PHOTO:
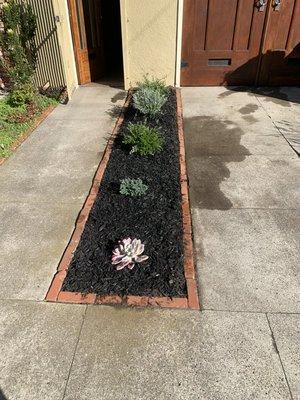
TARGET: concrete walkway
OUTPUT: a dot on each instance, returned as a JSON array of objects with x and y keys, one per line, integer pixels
[{"x": 243, "y": 180}]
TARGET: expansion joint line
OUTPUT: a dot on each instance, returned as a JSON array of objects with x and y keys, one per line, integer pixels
[
  {"x": 274, "y": 123},
  {"x": 278, "y": 353},
  {"x": 74, "y": 353}
]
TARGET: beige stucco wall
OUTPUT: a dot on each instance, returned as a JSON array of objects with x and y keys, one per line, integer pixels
[
  {"x": 149, "y": 34},
  {"x": 66, "y": 45}
]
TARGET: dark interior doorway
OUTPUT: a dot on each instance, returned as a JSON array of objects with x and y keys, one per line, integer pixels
[
  {"x": 112, "y": 36},
  {"x": 97, "y": 36}
]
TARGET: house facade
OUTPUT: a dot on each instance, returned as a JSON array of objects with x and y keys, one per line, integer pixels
[{"x": 185, "y": 42}]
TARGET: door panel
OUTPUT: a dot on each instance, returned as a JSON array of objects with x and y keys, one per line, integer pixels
[
  {"x": 281, "y": 48},
  {"x": 87, "y": 31},
  {"x": 94, "y": 33},
  {"x": 79, "y": 41},
  {"x": 220, "y": 24},
  {"x": 221, "y": 42}
]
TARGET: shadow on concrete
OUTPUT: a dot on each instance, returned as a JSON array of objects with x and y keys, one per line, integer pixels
[
  {"x": 114, "y": 111},
  {"x": 275, "y": 95},
  {"x": 276, "y": 69},
  {"x": 2, "y": 397},
  {"x": 119, "y": 96},
  {"x": 211, "y": 144}
]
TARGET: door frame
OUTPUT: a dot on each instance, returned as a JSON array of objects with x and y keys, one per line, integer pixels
[
  {"x": 179, "y": 32},
  {"x": 81, "y": 54}
]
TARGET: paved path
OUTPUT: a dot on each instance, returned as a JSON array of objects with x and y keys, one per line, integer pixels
[{"x": 244, "y": 178}]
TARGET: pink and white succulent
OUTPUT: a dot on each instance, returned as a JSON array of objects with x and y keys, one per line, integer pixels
[{"x": 127, "y": 253}]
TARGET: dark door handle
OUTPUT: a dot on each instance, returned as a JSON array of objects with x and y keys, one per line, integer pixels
[
  {"x": 261, "y": 4},
  {"x": 276, "y": 5}
]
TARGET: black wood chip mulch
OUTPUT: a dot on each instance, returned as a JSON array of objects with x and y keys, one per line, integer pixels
[{"x": 154, "y": 218}]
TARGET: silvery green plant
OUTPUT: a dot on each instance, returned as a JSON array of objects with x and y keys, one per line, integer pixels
[
  {"x": 128, "y": 253},
  {"x": 149, "y": 101},
  {"x": 133, "y": 187},
  {"x": 154, "y": 83}
]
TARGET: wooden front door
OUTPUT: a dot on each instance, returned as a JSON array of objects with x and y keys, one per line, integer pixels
[
  {"x": 94, "y": 36},
  {"x": 86, "y": 24},
  {"x": 220, "y": 37},
  {"x": 240, "y": 42},
  {"x": 280, "y": 64},
  {"x": 79, "y": 41}
]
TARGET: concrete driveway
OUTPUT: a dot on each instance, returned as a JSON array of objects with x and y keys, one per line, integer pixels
[{"x": 244, "y": 185}]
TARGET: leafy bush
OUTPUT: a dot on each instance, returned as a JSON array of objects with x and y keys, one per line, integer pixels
[
  {"x": 23, "y": 95},
  {"x": 15, "y": 121},
  {"x": 154, "y": 83},
  {"x": 149, "y": 101},
  {"x": 18, "y": 51},
  {"x": 133, "y": 187},
  {"x": 143, "y": 140}
]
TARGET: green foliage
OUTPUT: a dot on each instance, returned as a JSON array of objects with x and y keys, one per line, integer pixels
[
  {"x": 23, "y": 95},
  {"x": 143, "y": 140},
  {"x": 18, "y": 58},
  {"x": 154, "y": 83},
  {"x": 149, "y": 101},
  {"x": 15, "y": 121},
  {"x": 133, "y": 187}
]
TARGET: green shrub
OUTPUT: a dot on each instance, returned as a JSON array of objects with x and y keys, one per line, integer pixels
[
  {"x": 18, "y": 50},
  {"x": 154, "y": 83},
  {"x": 149, "y": 101},
  {"x": 133, "y": 187},
  {"x": 25, "y": 95},
  {"x": 143, "y": 140}
]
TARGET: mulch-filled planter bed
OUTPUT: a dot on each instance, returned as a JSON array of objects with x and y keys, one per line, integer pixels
[{"x": 160, "y": 219}]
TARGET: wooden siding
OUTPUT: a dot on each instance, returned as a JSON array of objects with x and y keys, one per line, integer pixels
[{"x": 49, "y": 60}]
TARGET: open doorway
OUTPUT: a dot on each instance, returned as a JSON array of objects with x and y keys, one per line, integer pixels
[{"x": 97, "y": 37}]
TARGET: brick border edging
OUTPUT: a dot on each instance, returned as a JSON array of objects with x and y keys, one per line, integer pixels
[
  {"x": 189, "y": 263},
  {"x": 55, "y": 294},
  {"x": 44, "y": 114}
]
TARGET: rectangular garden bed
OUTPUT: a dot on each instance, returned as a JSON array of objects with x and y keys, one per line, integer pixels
[{"x": 160, "y": 219}]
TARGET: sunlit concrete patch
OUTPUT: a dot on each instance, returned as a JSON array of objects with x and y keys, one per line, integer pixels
[
  {"x": 37, "y": 343},
  {"x": 48, "y": 175},
  {"x": 213, "y": 135},
  {"x": 291, "y": 132},
  {"x": 95, "y": 98},
  {"x": 32, "y": 240},
  {"x": 232, "y": 162},
  {"x": 248, "y": 259},
  {"x": 166, "y": 355},
  {"x": 283, "y": 107},
  {"x": 222, "y": 182},
  {"x": 286, "y": 331}
]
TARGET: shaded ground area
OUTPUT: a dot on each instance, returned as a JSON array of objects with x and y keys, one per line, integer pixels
[
  {"x": 211, "y": 136},
  {"x": 245, "y": 204}
]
